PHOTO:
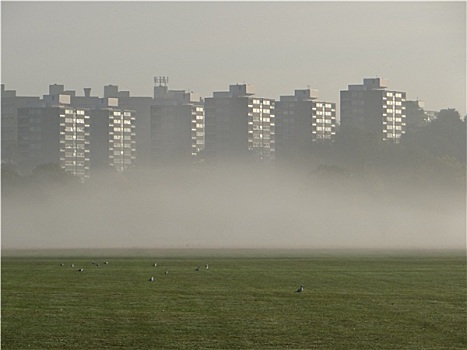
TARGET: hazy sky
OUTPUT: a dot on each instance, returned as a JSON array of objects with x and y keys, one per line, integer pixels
[{"x": 420, "y": 47}]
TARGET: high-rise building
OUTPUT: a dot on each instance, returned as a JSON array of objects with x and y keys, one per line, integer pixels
[
  {"x": 141, "y": 105},
  {"x": 112, "y": 136},
  {"x": 177, "y": 124},
  {"x": 54, "y": 133},
  {"x": 370, "y": 106},
  {"x": 302, "y": 119},
  {"x": 239, "y": 125},
  {"x": 9, "y": 122},
  {"x": 80, "y": 133}
]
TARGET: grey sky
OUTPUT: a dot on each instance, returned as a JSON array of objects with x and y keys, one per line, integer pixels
[{"x": 205, "y": 46}]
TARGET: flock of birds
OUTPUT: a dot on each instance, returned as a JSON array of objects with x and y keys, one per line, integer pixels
[{"x": 151, "y": 279}]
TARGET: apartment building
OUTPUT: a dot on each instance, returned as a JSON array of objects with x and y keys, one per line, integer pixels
[
  {"x": 370, "y": 106},
  {"x": 239, "y": 125},
  {"x": 177, "y": 125},
  {"x": 112, "y": 136},
  {"x": 302, "y": 119},
  {"x": 141, "y": 105},
  {"x": 9, "y": 122},
  {"x": 55, "y": 132}
]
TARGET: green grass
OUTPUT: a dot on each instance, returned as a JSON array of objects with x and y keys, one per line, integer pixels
[{"x": 359, "y": 301}]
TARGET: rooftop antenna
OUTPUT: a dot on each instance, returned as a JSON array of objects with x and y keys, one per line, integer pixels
[{"x": 161, "y": 81}]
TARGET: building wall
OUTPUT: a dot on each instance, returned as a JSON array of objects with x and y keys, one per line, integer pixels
[
  {"x": 171, "y": 133},
  {"x": 58, "y": 134},
  {"x": 371, "y": 107},
  {"x": 239, "y": 126},
  {"x": 112, "y": 139},
  {"x": 9, "y": 122},
  {"x": 177, "y": 125},
  {"x": 301, "y": 119},
  {"x": 9, "y": 130},
  {"x": 122, "y": 140},
  {"x": 198, "y": 133},
  {"x": 262, "y": 128},
  {"x": 74, "y": 141},
  {"x": 141, "y": 106},
  {"x": 323, "y": 121}
]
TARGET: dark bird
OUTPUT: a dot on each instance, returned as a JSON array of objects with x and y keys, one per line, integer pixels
[{"x": 299, "y": 290}]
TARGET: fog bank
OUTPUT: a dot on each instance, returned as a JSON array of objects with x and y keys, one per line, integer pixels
[{"x": 230, "y": 207}]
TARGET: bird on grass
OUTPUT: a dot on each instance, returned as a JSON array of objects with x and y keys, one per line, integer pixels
[
  {"x": 197, "y": 269},
  {"x": 151, "y": 279},
  {"x": 299, "y": 290},
  {"x": 80, "y": 270},
  {"x": 206, "y": 266},
  {"x": 166, "y": 272},
  {"x": 155, "y": 264}
]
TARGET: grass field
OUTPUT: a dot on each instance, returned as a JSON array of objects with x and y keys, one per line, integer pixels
[{"x": 243, "y": 301}]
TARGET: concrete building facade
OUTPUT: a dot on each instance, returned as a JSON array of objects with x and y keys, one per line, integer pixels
[
  {"x": 141, "y": 105},
  {"x": 177, "y": 125},
  {"x": 302, "y": 119},
  {"x": 370, "y": 106},
  {"x": 112, "y": 136},
  {"x": 9, "y": 122},
  {"x": 54, "y": 133},
  {"x": 239, "y": 125}
]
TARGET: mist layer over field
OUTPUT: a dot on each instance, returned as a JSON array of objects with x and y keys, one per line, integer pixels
[{"x": 231, "y": 207}]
